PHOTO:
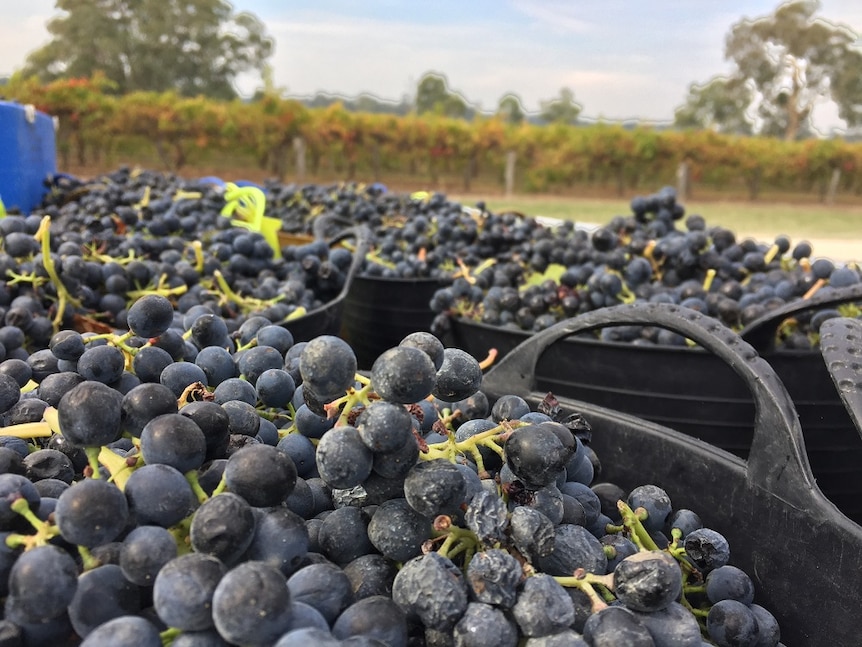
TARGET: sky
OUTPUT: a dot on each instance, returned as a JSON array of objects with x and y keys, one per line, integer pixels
[{"x": 630, "y": 59}]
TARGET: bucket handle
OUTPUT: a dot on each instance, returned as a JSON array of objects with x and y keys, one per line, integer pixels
[
  {"x": 777, "y": 461},
  {"x": 363, "y": 235},
  {"x": 841, "y": 349},
  {"x": 760, "y": 333}
]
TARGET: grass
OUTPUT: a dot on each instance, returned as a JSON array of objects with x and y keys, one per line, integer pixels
[{"x": 744, "y": 218}]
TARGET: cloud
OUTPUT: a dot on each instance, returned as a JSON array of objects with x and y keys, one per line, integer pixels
[{"x": 559, "y": 16}]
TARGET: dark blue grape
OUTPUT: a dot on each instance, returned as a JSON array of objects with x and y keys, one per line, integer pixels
[
  {"x": 103, "y": 364},
  {"x": 42, "y": 583},
  {"x": 403, "y": 375},
  {"x": 261, "y": 474},
  {"x": 342, "y": 458},
  {"x": 183, "y": 591},
  {"x": 217, "y": 364},
  {"x": 150, "y": 316},
  {"x": 124, "y": 631},
  {"x": 275, "y": 388},
  {"x": 223, "y": 526},
  {"x": 143, "y": 403},
  {"x": 90, "y": 414},
  {"x": 328, "y": 366},
  {"x": 149, "y": 362},
  {"x": 493, "y": 576},
  {"x": 323, "y": 586},
  {"x": 729, "y": 583},
  {"x": 433, "y": 589},
  {"x": 707, "y": 548},
  {"x": 103, "y": 594},
  {"x": 175, "y": 440},
  {"x": 655, "y": 501},
  {"x": 732, "y": 624},
  {"x": 158, "y": 494},
  {"x": 145, "y": 550},
  {"x": 180, "y": 375},
  {"x": 92, "y": 512},
  {"x": 543, "y": 607},
  {"x": 375, "y": 617},
  {"x": 251, "y": 605}
]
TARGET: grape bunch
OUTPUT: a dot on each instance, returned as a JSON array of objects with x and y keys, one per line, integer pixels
[
  {"x": 176, "y": 483},
  {"x": 647, "y": 257}
]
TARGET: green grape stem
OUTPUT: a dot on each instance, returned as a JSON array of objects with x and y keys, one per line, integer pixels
[
  {"x": 43, "y": 235},
  {"x": 45, "y": 530},
  {"x": 588, "y": 582},
  {"x": 634, "y": 525}
]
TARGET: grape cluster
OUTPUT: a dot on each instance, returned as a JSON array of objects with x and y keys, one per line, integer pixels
[
  {"x": 79, "y": 260},
  {"x": 647, "y": 257},
  {"x": 190, "y": 485}
]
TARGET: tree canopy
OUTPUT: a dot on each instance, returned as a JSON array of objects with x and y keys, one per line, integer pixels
[
  {"x": 433, "y": 95},
  {"x": 720, "y": 104},
  {"x": 562, "y": 109},
  {"x": 785, "y": 64},
  {"x": 511, "y": 109},
  {"x": 189, "y": 46}
]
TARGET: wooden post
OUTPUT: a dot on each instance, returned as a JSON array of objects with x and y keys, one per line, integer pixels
[
  {"x": 509, "y": 175},
  {"x": 833, "y": 186},
  {"x": 683, "y": 184},
  {"x": 299, "y": 148}
]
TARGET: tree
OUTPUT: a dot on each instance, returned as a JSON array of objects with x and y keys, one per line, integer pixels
[
  {"x": 188, "y": 46},
  {"x": 720, "y": 104},
  {"x": 561, "y": 109},
  {"x": 433, "y": 95},
  {"x": 791, "y": 57},
  {"x": 511, "y": 109}
]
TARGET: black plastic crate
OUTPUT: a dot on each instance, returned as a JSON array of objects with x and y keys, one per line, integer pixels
[{"x": 804, "y": 555}]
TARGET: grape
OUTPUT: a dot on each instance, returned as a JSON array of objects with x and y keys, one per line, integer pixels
[
  {"x": 217, "y": 364},
  {"x": 10, "y": 392},
  {"x": 150, "y": 316},
  {"x": 729, "y": 583},
  {"x": 707, "y": 549},
  {"x": 158, "y": 494},
  {"x": 183, "y": 590},
  {"x": 103, "y": 593},
  {"x": 616, "y": 626},
  {"x": 532, "y": 533},
  {"x": 48, "y": 464},
  {"x": 275, "y": 388},
  {"x": 92, "y": 512},
  {"x": 403, "y": 374},
  {"x": 384, "y": 426},
  {"x": 342, "y": 458},
  {"x": 261, "y": 474},
  {"x": 648, "y": 581},
  {"x": 308, "y": 636},
  {"x": 280, "y": 539},
  {"x": 149, "y": 362},
  {"x": 732, "y": 624},
  {"x": 175, "y": 440},
  {"x": 371, "y": 574},
  {"x": 435, "y": 487},
  {"x": 397, "y": 530},
  {"x": 145, "y": 550},
  {"x": 543, "y": 607},
  {"x": 255, "y": 361},
  {"x": 41, "y": 583},
  {"x": 250, "y": 605},
  {"x": 432, "y": 588},
  {"x": 459, "y": 377},
  {"x": 328, "y": 366},
  {"x": 143, "y": 403},
  {"x": 671, "y": 626},
  {"x": 655, "y": 501},
  {"x": 375, "y": 617},
  {"x": 323, "y": 586},
  {"x": 180, "y": 375},
  {"x": 301, "y": 451},
  {"x": 102, "y": 364},
  {"x": 90, "y": 414},
  {"x": 344, "y": 535},
  {"x": 536, "y": 455},
  {"x": 124, "y": 631},
  {"x": 574, "y": 547},
  {"x": 494, "y": 576},
  {"x": 484, "y": 626},
  {"x": 223, "y": 527}
]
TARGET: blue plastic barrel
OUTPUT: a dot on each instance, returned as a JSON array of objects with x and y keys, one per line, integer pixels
[{"x": 28, "y": 155}]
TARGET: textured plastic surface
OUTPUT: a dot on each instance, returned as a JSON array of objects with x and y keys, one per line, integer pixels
[
  {"x": 327, "y": 319},
  {"x": 841, "y": 347},
  {"x": 27, "y": 156},
  {"x": 690, "y": 390},
  {"x": 804, "y": 555},
  {"x": 380, "y": 312}
]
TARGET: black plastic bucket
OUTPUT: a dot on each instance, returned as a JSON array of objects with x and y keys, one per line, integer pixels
[
  {"x": 380, "y": 312},
  {"x": 692, "y": 391},
  {"x": 327, "y": 319},
  {"x": 802, "y": 552}
]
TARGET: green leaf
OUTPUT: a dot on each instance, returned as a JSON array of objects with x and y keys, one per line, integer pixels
[{"x": 554, "y": 271}]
